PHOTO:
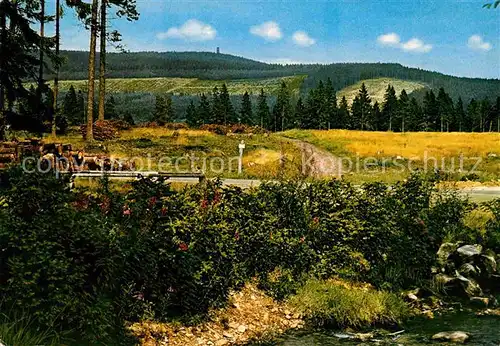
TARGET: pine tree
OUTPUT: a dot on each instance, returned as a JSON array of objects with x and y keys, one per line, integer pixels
[
  {"x": 70, "y": 107},
  {"x": 81, "y": 108},
  {"x": 377, "y": 115},
  {"x": 204, "y": 111},
  {"x": 473, "y": 116},
  {"x": 228, "y": 113},
  {"x": 163, "y": 112},
  {"x": 312, "y": 120},
  {"x": 460, "y": 116},
  {"x": 403, "y": 112},
  {"x": 246, "y": 113},
  {"x": 282, "y": 109},
  {"x": 343, "y": 114},
  {"x": 263, "y": 114},
  {"x": 389, "y": 109},
  {"x": 91, "y": 70},
  {"x": 445, "y": 110},
  {"x": 331, "y": 105},
  {"x": 300, "y": 115},
  {"x": 218, "y": 116},
  {"x": 416, "y": 122},
  {"x": 484, "y": 110},
  {"x": 362, "y": 111},
  {"x": 431, "y": 112},
  {"x": 110, "y": 108},
  {"x": 192, "y": 115}
]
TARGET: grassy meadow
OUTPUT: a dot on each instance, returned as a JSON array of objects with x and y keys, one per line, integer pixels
[
  {"x": 262, "y": 156},
  {"x": 188, "y": 86},
  {"x": 388, "y": 155},
  {"x": 377, "y": 87}
]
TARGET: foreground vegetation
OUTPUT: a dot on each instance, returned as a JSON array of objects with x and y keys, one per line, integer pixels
[{"x": 90, "y": 260}]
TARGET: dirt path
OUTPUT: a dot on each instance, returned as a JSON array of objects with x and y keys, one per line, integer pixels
[{"x": 318, "y": 162}]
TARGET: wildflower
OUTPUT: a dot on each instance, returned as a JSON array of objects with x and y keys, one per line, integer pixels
[
  {"x": 152, "y": 201},
  {"x": 126, "y": 210},
  {"x": 183, "y": 246},
  {"x": 164, "y": 211},
  {"x": 315, "y": 220},
  {"x": 237, "y": 235},
  {"x": 204, "y": 204},
  {"x": 302, "y": 239}
]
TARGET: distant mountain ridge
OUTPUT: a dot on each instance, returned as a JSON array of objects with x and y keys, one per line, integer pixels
[{"x": 217, "y": 66}]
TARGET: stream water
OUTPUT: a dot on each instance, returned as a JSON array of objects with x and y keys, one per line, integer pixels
[{"x": 485, "y": 331}]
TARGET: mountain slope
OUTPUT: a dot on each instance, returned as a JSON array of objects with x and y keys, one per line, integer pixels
[
  {"x": 377, "y": 87},
  {"x": 205, "y": 65}
]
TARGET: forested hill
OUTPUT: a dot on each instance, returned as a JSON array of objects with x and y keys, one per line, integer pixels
[{"x": 206, "y": 65}]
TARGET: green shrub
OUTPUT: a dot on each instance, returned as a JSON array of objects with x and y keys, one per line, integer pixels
[
  {"x": 325, "y": 303},
  {"x": 89, "y": 260}
]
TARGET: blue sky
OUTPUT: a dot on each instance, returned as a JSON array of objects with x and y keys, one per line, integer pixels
[{"x": 450, "y": 36}]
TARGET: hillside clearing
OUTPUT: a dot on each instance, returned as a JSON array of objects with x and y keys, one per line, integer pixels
[
  {"x": 189, "y": 86},
  {"x": 377, "y": 87}
]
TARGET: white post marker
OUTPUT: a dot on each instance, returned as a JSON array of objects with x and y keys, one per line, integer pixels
[{"x": 241, "y": 146}]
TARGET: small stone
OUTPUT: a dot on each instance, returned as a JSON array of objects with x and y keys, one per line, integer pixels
[
  {"x": 481, "y": 302},
  {"x": 242, "y": 329},
  {"x": 412, "y": 297},
  {"x": 233, "y": 325},
  {"x": 221, "y": 342},
  {"x": 363, "y": 336},
  {"x": 227, "y": 335},
  {"x": 457, "y": 336},
  {"x": 470, "y": 250}
]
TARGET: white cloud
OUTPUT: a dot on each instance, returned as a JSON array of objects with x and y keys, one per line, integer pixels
[
  {"x": 270, "y": 31},
  {"x": 416, "y": 45},
  {"x": 192, "y": 30},
  {"x": 476, "y": 42},
  {"x": 301, "y": 38},
  {"x": 391, "y": 39}
]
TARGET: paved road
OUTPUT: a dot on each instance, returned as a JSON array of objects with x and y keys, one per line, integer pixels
[{"x": 475, "y": 193}]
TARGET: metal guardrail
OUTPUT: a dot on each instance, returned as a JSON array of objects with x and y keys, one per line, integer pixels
[{"x": 133, "y": 174}]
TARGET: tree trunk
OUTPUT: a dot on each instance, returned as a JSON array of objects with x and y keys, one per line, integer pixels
[
  {"x": 3, "y": 24},
  {"x": 91, "y": 81},
  {"x": 42, "y": 36},
  {"x": 56, "y": 78},
  {"x": 102, "y": 62}
]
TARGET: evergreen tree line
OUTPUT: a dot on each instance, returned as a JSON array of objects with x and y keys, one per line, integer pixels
[{"x": 320, "y": 109}]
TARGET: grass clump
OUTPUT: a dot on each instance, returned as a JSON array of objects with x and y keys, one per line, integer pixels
[
  {"x": 21, "y": 329},
  {"x": 328, "y": 303}
]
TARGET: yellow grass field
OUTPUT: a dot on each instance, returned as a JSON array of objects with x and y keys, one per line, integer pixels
[{"x": 421, "y": 149}]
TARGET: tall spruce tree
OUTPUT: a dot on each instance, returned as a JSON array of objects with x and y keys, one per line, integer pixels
[
  {"x": 227, "y": 109},
  {"x": 416, "y": 122},
  {"x": 263, "y": 114},
  {"x": 343, "y": 114},
  {"x": 389, "y": 109},
  {"x": 460, "y": 116},
  {"x": 403, "y": 113},
  {"x": 300, "y": 115},
  {"x": 431, "y": 112},
  {"x": 192, "y": 118},
  {"x": 246, "y": 112},
  {"x": 362, "y": 112},
  {"x": 473, "y": 116},
  {"x": 282, "y": 109},
  {"x": 377, "y": 114},
  {"x": 445, "y": 109},
  {"x": 110, "y": 109},
  {"x": 331, "y": 105},
  {"x": 163, "y": 112},
  {"x": 218, "y": 116},
  {"x": 204, "y": 111},
  {"x": 70, "y": 107}
]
